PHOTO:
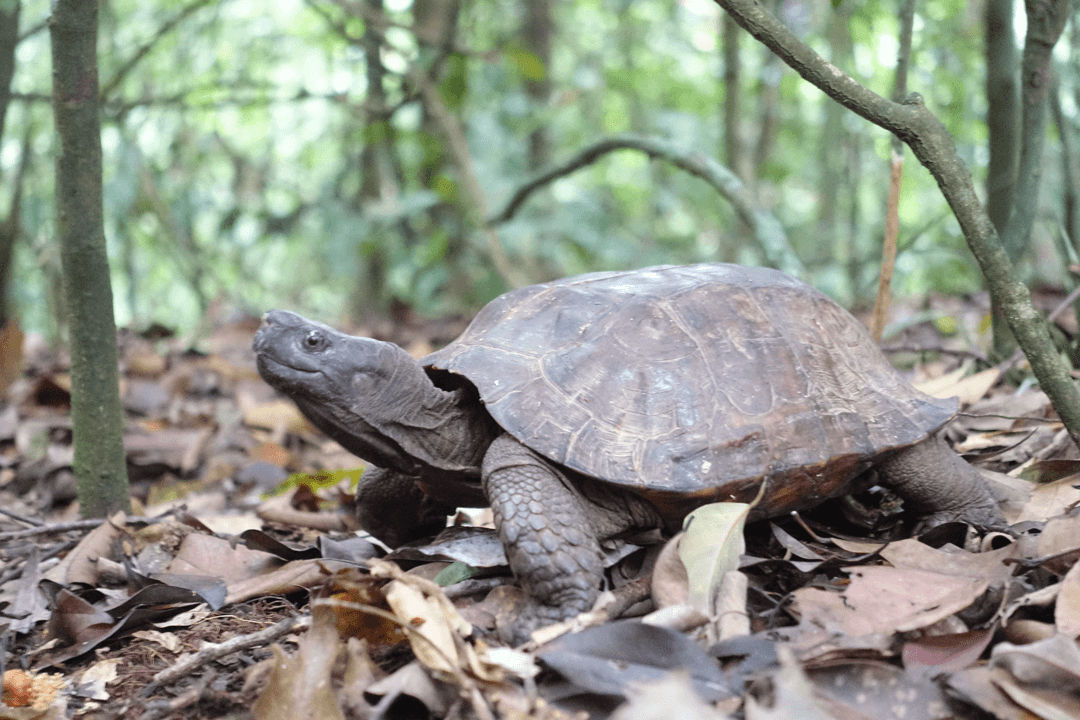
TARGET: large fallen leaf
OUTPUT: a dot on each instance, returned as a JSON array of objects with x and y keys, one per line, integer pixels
[
  {"x": 841, "y": 687},
  {"x": 299, "y": 685},
  {"x": 655, "y": 700},
  {"x": 1067, "y": 608},
  {"x": 1059, "y": 543},
  {"x": 1043, "y": 677},
  {"x": 711, "y": 546},
  {"x": 608, "y": 659},
  {"x": 887, "y": 600},
  {"x": 913, "y": 554},
  {"x": 436, "y": 648},
  {"x": 793, "y": 695},
  {"x": 1051, "y": 499},
  {"x": 952, "y": 652},
  {"x": 969, "y": 389}
]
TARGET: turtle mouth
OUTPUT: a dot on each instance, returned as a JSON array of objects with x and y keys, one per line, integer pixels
[{"x": 276, "y": 372}]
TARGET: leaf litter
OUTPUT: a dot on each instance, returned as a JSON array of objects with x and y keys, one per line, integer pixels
[{"x": 239, "y": 585}]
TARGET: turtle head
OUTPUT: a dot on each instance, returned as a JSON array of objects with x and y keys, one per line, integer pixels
[{"x": 357, "y": 390}]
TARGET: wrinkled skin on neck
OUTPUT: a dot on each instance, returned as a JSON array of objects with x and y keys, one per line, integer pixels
[{"x": 373, "y": 398}]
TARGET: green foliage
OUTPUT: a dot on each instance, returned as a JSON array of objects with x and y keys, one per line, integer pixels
[
  {"x": 321, "y": 480},
  {"x": 233, "y": 152}
]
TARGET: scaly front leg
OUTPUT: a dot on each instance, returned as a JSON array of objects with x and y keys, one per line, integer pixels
[{"x": 549, "y": 539}]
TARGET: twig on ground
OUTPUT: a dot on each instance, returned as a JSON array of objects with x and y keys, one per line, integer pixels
[
  {"x": 212, "y": 651},
  {"x": 57, "y": 528},
  {"x": 21, "y": 518}
]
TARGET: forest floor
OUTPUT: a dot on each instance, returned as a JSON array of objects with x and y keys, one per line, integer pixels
[{"x": 240, "y": 586}]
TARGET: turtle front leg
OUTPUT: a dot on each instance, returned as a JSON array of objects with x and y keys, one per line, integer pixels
[
  {"x": 394, "y": 508},
  {"x": 544, "y": 525}
]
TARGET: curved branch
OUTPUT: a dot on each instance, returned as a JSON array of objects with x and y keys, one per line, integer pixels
[
  {"x": 764, "y": 226},
  {"x": 931, "y": 143}
]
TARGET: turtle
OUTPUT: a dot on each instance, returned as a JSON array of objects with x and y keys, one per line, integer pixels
[{"x": 600, "y": 404}]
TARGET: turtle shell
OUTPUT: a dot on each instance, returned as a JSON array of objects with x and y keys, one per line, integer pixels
[{"x": 692, "y": 383}]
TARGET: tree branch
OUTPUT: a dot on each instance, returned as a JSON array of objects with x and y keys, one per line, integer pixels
[
  {"x": 146, "y": 47},
  {"x": 764, "y": 226},
  {"x": 935, "y": 149}
]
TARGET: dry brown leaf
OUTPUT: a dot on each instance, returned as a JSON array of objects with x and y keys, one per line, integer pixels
[
  {"x": 80, "y": 565},
  {"x": 1060, "y": 542},
  {"x": 299, "y": 685},
  {"x": 437, "y": 650},
  {"x": 1051, "y": 499},
  {"x": 969, "y": 389},
  {"x": 1067, "y": 607},
  {"x": 860, "y": 547},
  {"x": 656, "y": 700},
  {"x": 1043, "y": 677},
  {"x": 936, "y": 385},
  {"x": 975, "y": 685},
  {"x": 288, "y": 578},
  {"x": 202, "y": 554},
  {"x": 884, "y": 600},
  {"x": 670, "y": 585},
  {"x": 991, "y": 565}
]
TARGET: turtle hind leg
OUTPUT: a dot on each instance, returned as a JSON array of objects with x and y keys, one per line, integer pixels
[
  {"x": 545, "y": 527},
  {"x": 939, "y": 486}
]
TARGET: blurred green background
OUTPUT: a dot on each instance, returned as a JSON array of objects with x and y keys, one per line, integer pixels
[{"x": 281, "y": 154}]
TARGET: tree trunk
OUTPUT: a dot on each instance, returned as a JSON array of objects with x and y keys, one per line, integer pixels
[
  {"x": 1002, "y": 121},
  {"x": 9, "y": 38},
  {"x": 734, "y": 156},
  {"x": 539, "y": 27},
  {"x": 96, "y": 415},
  {"x": 368, "y": 298},
  {"x": 830, "y": 162},
  {"x": 1046, "y": 20}
]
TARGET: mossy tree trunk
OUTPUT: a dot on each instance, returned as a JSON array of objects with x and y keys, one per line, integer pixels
[
  {"x": 96, "y": 415},
  {"x": 1003, "y": 124},
  {"x": 9, "y": 38}
]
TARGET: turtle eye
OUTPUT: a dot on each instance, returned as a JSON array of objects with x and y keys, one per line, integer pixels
[{"x": 314, "y": 340}]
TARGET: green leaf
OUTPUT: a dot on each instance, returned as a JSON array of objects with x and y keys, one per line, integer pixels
[
  {"x": 454, "y": 573},
  {"x": 318, "y": 480},
  {"x": 711, "y": 547},
  {"x": 527, "y": 63}
]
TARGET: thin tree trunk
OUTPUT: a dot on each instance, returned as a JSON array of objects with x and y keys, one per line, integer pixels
[
  {"x": 896, "y": 175},
  {"x": 1002, "y": 121},
  {"x": 9, "y": 38},
  {"x": 830, "y": 161},
  {"x": 96, "y": 415},
  {"x": 1046, "y": 20},
  {"x": 537, "y": 33},
  {"x": 1070, "y": 169},
  {"x": 734, "y": 157},
  {"x": 368, "y": 298}
]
